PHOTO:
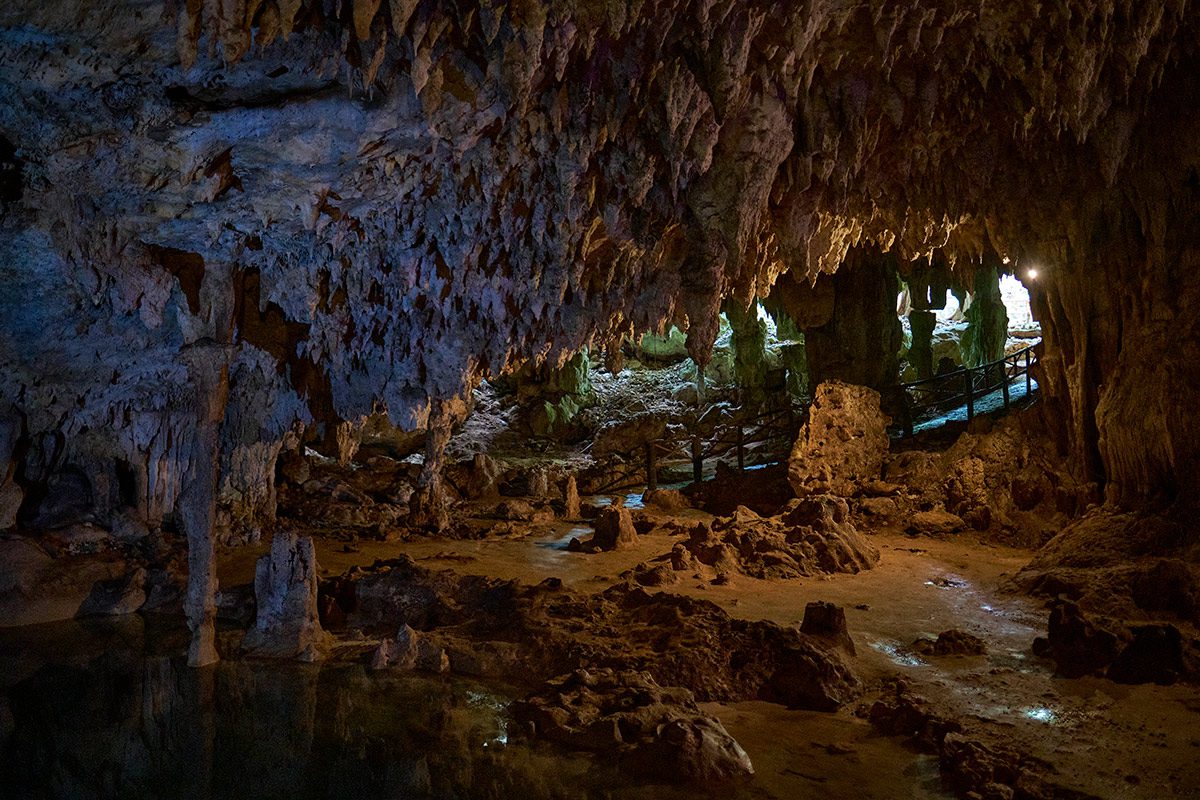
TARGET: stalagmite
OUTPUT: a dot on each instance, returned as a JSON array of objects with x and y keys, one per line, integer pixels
[
  {"x": 285, "y": 589},
  {"x": 427, "y": 507},
  {"x": 571, "y": 502}
]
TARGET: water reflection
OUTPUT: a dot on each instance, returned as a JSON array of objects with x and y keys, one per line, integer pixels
[{"x": 131, "y": 720}]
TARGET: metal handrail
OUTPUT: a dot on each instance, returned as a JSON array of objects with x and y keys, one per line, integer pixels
[{"x": 963, "y": 386}]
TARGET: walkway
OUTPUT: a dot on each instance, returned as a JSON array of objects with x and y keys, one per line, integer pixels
[{"x": 960, "y": 395}]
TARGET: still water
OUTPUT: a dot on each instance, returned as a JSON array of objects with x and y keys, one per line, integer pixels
[{"x": 110, "y": 710}]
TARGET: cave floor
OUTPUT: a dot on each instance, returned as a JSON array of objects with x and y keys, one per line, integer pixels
[{"x": 1099, "y": 737}]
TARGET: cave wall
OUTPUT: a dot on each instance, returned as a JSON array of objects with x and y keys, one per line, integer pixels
[{"x": 429, "y": 193}]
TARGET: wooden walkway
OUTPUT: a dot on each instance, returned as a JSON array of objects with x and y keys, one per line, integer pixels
[
  {"x": 936, "y": 398},
  {"x": 767, "y": 435}
]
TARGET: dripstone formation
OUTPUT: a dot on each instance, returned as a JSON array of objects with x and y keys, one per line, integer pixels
[
  {"x": 359, "y": 274},
  {"x": 397, "y": 199}
]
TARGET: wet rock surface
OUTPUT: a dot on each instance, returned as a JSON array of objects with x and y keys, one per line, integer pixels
[
  {"x": 528, "y": 633},
  {"x": 628, "y": 719},
  {"x": 812, "y": 536},
  {"x": 974, "y": 764}
]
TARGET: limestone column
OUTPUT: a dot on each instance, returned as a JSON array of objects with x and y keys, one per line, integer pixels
[
  {"x": 920, "y": 352},
  {"x": 207, "y": 360},
  {"x": 860, "y": 342},
  {"x": 987, "y": 318},
  {"x": 749, "y": 351},
  {"x": 208, "y": 372}
]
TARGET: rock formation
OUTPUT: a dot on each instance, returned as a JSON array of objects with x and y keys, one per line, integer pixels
[
  {"x": 858, "y": 340},
  {"x": 842, "y": 445},
  {"x": 571, "y": 506},
  {"x": 987, "y": 321},
  {"x": 811, "y": 536},
  {"x": 502, "y": 629},
  {"x": 614, "y": 531},
  {"x": 285, "y": 587},
  {"x": 628, "y": 718},
  {"x": 437, "y": 232}
]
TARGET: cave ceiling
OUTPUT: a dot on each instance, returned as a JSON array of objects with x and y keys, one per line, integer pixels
[{"x": 426, "y": 193}]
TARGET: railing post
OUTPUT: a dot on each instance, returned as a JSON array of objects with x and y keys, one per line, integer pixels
[
  {"x": 969, "y": 375},
  {"x": 1028, "y": 377},
  {"x": 1004, "y": 381},
  {"x": 697, "y": 460},
  {"x": 741, "y": 456},
  {"x": 651, "y": 468}
]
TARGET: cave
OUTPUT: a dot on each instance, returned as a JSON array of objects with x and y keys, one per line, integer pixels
[{"x": 731, "y": 398}]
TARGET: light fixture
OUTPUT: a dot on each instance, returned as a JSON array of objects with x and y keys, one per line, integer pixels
[{"x": 1031, "y": 274}]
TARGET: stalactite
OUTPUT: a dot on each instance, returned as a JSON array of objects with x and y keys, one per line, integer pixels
[{"x": 531, "y": 179}]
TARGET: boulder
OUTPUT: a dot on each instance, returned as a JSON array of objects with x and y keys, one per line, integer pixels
[
  {"x": 614, "y": 529},
  {"x": 1081, "y": 645},
  {"x": 1155, "y": 655},
  {"x": 878, "y": 506},
  {"x": 627, "y": 718},
  {"x": 1078, "y": 645},
  {"x": 287, "y": 624},
  {"x": 411, "y": 650},
  {"x": 649, "y": 574},
  {"x": 951, "y": 643},
  {"x": 666, "y": 499},
  {"x": 843, "y": 444},
  {"x": 123, "y": 595},
  {"x": 934, "y": 523}
]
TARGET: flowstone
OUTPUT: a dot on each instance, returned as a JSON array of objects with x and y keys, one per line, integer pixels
[{"x": 842, "y": 445}]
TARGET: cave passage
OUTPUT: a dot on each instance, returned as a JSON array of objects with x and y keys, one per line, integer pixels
[{"x": 728, "y": 398}]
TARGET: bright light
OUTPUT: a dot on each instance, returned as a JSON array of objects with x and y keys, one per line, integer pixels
[
  {"x": 1041, "y": 714},
  {"x": 1031, "y": 274}
]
